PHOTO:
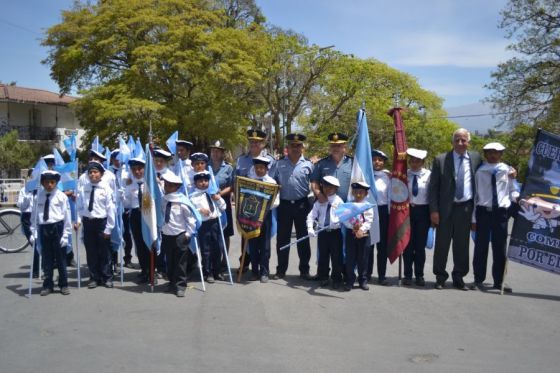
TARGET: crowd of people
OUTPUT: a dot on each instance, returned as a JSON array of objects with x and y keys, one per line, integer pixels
[{"x": 459, "y": 195}]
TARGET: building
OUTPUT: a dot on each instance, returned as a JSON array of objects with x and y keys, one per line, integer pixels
[{"x": 38, "y": 115}]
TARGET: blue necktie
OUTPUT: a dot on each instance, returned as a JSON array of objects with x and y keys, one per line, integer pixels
[
  {"x": 460, "y": 183},
  {"x": 46, "y": 208},
  {"x": 140, "y": 195},
  {"x": 210, "y": 203},
  {"x": 328, "y": 216},
  {"x": 168, "y": 212},
  {"x": 415, "y": 186},
  {"x": 90, "y": 205},
  {"x": 494, "y": 191}
]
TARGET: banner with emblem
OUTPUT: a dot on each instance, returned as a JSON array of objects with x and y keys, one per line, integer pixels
[
  {"x": 253, "y": 200},
  {"x": 535, "y": 237}
]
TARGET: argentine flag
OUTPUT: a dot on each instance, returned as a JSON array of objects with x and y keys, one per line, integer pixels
[
  {"x": 152, "y": 215},
  {"x": 362, "y": 170}
]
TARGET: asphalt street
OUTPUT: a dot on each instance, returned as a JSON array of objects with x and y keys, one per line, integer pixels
[{"x": 288, "y": 325}]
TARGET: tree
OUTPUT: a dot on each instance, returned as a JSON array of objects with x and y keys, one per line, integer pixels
[
  {"x": 15, "y": 155},
  {"x": 526, "y": 86},
  {"x": 173, "y": 64}
]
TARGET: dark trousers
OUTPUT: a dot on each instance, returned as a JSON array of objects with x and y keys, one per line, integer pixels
[
  {"x": 176, "y": 249},
  {"x": 127, "y": 237},
  {"x": 357, "y": 252},
  {"x": 50, "y": 235},
  {"x": 490, "y": 226},
  {"x": 210, "y": 246},
  {"x": 292, "y": 214},
  {"x": 455, "y": 227},
  {"x": 161, "y": 264},
  {"x": 415, "y": 252},
  {"x": 259, "y": 248},
  {"x": 381, "y": 245},
  {"x": 98, "y": 250},
  {"x": 329, "y": 243},
  {"x": 142, "y": 250}
]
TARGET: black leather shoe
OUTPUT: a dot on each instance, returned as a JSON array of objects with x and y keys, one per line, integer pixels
[
  {"x": 305, "y": 276},
  {"x": 180, "y": 293},
  {"x": 439, "y": 285},
  {"x": 64, "y": 290},
  {"x": 407, "y": 281},
  {"x": 219, "y": 277},
  {"x": 278, "y": 276},
  {"x": 477, "y": 286},
  {"x": 420, "y": 281},
  {"x": 46, "y": 291},
  {"x": 210, "y": 279},
  {"x": 254, "y": 277},
  {"x": 92, "y": 284},
  {"x": 128, "y": 265},
  {"x": 364, "y": 286},
  {"x": 324, "y": 283},
  {"x": 347, "y": 287},
  {"x": 460, "y": 285},
  {"x": 264, "y": 279},
  {"x": 383, "y": 282}
]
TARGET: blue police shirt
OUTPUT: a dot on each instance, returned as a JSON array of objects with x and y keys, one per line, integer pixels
[
  {"x": 343, "y": 172},
  {"x": 293, "y": 178},
  {"x": 223, "y": 175}
]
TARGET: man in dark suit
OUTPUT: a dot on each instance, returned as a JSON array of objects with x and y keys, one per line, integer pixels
[{"x": 451, "y": 195}]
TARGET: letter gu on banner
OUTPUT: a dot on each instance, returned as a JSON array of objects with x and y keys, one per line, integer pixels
[
  {"x": 535, "y": 238},
  {"x": 253, "y": 200}
]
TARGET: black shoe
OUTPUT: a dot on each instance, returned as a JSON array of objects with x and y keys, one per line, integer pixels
[
  {"x": 92, "y": 284},
  {"x": 72, "y": 263},
  {"x": 264, "y": 279},
  {"x": 305, "y": 276},
  {"x": 219, "y": 277},
  {"x": 347, "y": 287},
  {"x": 278, "y": 276},
  {"x": 460, "y": 285},
  {"x": 46, "y": 291},
  {"x": 383, "y": 282},
  {"x": 364, "y": 286},
  {"x": 180, "y": 293},
  {"x": 64, "y": 290},
  {"x": 254, "y": 277},
  {"x": 170, "y": 288},
  {"x": 210, "y": 279},
  {"x": 108, "y": 284},
  {"x": 335, "y": 285},
  {"x": 507, "y": 289},
  {"x": 128, "y": 265},
  {"x": 477, "y": 286},
  {"x": 324, "y": 283},
  {"x": 407, "y": 281},
  {"x": 315, "y": 278},
  {"x": 439, "y": 285},
  {"x": 420, "y": 281}
]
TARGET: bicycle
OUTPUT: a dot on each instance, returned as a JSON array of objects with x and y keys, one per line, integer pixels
[{"x": 12, "y": 238}]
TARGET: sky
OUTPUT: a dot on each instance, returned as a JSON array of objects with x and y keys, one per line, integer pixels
[{"x": 450, "y": 46}]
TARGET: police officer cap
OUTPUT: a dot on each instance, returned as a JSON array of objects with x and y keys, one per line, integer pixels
[
  {"x": 337, "y": 138},
  {"x": 261, "y": 160},
  {"x": 94, "y": 165},
  {"x": 50, "y": 175},
  {"x": 256, "y": 134},
  {"x": 360, "y": 185},
  {"x": 136, "y": 162},
  {"x": 114, "y": 153},
  {"x": 417, "y": 153},
  {"x": 185, "y": 143},
  {"x": 160, "y": 153},
  {"x": 218, "y": 145},
  {"x": 199, "y": 157},
  {"x": 170, "y": 177},
  {"x": 331, "y": 180},
  {"x": 202, "y": 175},
  {"x": 95, "y": 153},
  {"x": 49, "y": 158},
  {"x": 296, "y": 138},
  {"x": 378, "y": 153},
  {"x": 494, "y": 146}
]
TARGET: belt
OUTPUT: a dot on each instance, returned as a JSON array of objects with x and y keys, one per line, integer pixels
[
  {"x": 490, "y": 209},
  {"x": 85, "y": 218},
  {"x": 415, "y": 205},
  {"x": 462, "y": 203},
  {"x": 331, "y": 230},
  {"x": 293, "y": 201}
]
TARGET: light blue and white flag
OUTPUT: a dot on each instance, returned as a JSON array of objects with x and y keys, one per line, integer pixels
[
  {"x": 152, "y": 214},
  {"x": 362, "y": 170},
  {"x": 96, "y": 145},
  {"x": 124, "y": 152},
  {"x": 70, "y": 146},
  {"x": 34, "y": 181},
  {"x": 171, "y": 145},
  {"x": 139, "y": 150}
]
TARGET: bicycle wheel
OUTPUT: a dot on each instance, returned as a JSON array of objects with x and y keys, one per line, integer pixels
[{"x": 12, "y": 239}]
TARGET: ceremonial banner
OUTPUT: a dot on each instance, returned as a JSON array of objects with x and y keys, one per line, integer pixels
[
  {"x": 253, "y": 200},
  {"x": 535, "y": 238},
  {"x": 399, "y": 216}
]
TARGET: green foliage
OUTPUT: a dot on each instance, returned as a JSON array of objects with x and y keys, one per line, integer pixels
[{"x": 15, "y": 155}]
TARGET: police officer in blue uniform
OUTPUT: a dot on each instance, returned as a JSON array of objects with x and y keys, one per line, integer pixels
[{"x": 293, "y": 173}]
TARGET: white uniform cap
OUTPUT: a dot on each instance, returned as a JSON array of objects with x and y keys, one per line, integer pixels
[
  {"x": 360, "y": 184},
  {"x": 417, "y": 153},
  {"x": 331, "y": 180},
  {"x": 170, "y": 177},
  {"x": 494, "y": 146}
]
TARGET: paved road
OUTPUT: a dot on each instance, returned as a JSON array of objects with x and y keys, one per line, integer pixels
[{"x": 284, "y": 326}]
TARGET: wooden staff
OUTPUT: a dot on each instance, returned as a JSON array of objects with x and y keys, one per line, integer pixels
[{"x": 243, "y": 253}]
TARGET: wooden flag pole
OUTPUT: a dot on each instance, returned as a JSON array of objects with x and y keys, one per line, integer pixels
[
  {"x": 31, "y": 271},
  {"x": 152, "y": 265},
  {"x": 400, "y": 270},
  {"x": 504, "y": 277},
  {"x": 242, "y": 264}
]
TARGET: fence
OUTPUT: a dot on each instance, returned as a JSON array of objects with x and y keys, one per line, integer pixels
[{"x": 9, "y": 190}]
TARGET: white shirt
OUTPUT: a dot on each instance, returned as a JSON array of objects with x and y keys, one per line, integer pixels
[
  {"x": 505, "y": 186},
  {"x": 423, "y": 178},
  {"x": 103, "y": 204},
  {"x": 131, "y": 193},
  {"x": 319, "y": 212},
  {"x": 467, "y": 194},
  {"x": 107, "y": 178},
  {"x": 365, "y": 219},
  {"x": 59, "y": 210},
  {"x": 183, "y": 170},
  {"x": 25, "y": 201},
  {"x": 181, "y": 218},
  {"x": 121, "y": 175},
  {"x": 382, "y": 185},
  {"x": 270, "y": 180},
  {"x": 200, "y": 201}
]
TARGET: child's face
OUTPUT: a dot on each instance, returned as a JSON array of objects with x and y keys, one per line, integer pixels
[
  {"x": 138, "y": 171},
  {"x": 202, "y": 184},
  {"x": 329, "y": 190},
  {"x": 183, "y": 152},
  {"x": 493, "y": 156},
  {"x": 378, "y": 163},
  {"x": 170, "y": 187},
  {"x": 415, "y": 163},
  {"x": 199, "y": 166},
  {"x": 260, "y": 170},
  {"x": 116, "y": 163},
  {"x": 94, "y": 175},
  {"x": 359, "y": 194},
  {"x": 160, "y": 163},
  {"x": 49, "y": 185}
]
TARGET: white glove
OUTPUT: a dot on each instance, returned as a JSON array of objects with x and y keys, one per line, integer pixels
[
  {"x": 311, "y": 233},
  {"x": 32, "y": 240},
  {"x": 64, "y": 241}
]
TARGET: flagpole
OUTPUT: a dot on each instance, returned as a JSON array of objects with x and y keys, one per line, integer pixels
[
  {"x": 31, "y": 270},
  {"x": 152, "y": 269},
  {"x": 79, "y": 273},
  {"x": 199, "y": 260},
  {"x": 224, "y": 244},
  {"x": 400, "y": 270},
  {"x": 243, "y": 253}
]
